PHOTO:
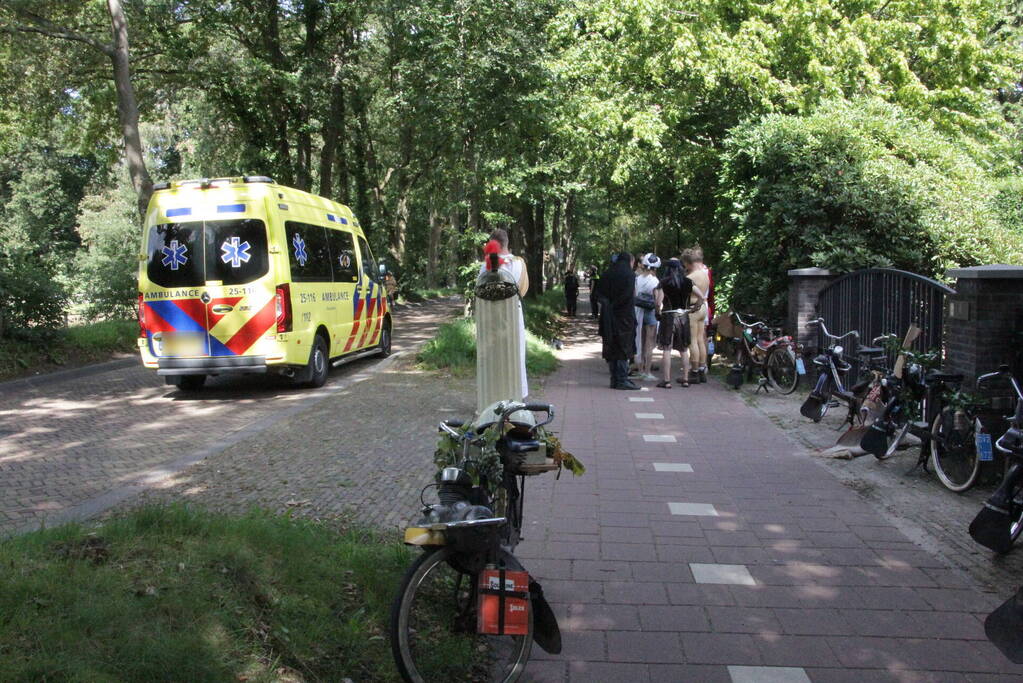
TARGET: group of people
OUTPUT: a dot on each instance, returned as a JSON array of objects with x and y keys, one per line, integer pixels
[{"x": 639, "y": 309}]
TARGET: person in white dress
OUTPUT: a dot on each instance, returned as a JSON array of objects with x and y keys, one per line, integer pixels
[{"x": 516, "y": 266}]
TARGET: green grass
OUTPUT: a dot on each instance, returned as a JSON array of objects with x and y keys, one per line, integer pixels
[
  {"x": 172, "y": 593},
  {"x": 454, "y": 349},
  {"x": 543, "y": 313},
  {"x": 44, "y": 350}
]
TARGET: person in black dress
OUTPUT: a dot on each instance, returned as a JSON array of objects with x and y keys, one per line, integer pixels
[
  {"x": 671, "y": 298},
  {"x": 615, "y": 292},
  {"x": 571, "y": 292}
]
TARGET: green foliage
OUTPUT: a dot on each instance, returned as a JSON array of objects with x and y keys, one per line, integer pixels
[
  {"x": 454, "y": 349},
  {"x": 205, "y": 596},
  {"x": 42, "y": 348},
  {"x": 108, "y": 224},
  {"x": 851, "y": 185},
  {"x": 1007, "y": 203},
  {"x": 542, "y": 313}
]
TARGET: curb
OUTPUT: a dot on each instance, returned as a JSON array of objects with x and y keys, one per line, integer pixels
[{"x": 70, "y": 373}]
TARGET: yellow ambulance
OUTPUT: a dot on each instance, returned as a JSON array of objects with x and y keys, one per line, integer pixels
[{"x": 242, "y": 275}]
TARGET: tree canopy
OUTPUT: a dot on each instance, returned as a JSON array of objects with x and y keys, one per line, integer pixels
[{"x": 581, "y": 126}]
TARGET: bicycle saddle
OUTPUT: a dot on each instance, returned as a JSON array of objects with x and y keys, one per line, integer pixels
[
  {"x": 870, "y": 351},
  {"x": 521, "y": 445}
]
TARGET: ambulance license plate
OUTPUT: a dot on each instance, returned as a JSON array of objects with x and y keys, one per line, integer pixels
[{"x": 184, "y": 345}]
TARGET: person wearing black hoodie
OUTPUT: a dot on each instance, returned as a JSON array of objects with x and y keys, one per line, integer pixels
[{"x": 615, "y": 292}]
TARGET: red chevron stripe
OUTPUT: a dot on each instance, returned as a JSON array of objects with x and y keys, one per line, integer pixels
[
  {"x": 355, "y": 325},
  {"x": 252, "y": 330},
  {"x": 369, "y": 323},
  {"x": 194, "y": 309}
]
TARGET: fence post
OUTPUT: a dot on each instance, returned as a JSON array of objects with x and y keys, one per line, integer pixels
[
  {"x": 983, "y": 320},
  {"x": 804, "y": 285}
]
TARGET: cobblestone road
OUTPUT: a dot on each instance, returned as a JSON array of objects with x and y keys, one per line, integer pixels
[{"x": 70, "y": 447}]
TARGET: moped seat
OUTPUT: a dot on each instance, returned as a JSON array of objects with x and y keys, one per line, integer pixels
[
  {"x": 521, "y": 445},
  {"x": 935, "y": 376}
]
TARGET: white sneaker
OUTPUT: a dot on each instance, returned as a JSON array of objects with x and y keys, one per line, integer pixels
[{"x": 649, "y": 378}]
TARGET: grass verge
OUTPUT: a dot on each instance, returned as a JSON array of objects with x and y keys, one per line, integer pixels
[
  {"x": 175, "y": 593},
  {"x": 454, "y": 349},
  {"x": 33, "y": 351}
]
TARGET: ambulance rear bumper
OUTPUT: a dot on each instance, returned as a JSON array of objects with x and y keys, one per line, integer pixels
[{"x": 216, "y": 365}]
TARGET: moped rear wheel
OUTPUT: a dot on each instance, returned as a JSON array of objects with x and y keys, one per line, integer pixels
[
  {"x": 781, "y": 369},
  {"x": 433, "y": 628},
  {"x": 901, "y": 431}
]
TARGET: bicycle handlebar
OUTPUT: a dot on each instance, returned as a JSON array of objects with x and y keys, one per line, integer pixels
[
  {"x": 754, "y": 325},
  {"x": 824, "y": 329},
  {"x": 506, "y": 410}
]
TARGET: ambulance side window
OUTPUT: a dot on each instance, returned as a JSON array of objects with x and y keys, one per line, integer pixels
[
  {"x": 369, "y": 266},
  {"x": 342, "y": 255},
  {"x": 308, "y": 253}
]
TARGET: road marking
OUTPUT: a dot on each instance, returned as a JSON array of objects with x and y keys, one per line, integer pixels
[
  {"x": 693, "y": 509},
  {"x": 650, "y": 416},
  {"x": 659, "y": 438},
  {"x": 734, "y": 574},
  {"x": 768, "y": 674},
  {"x": 672, "y": 467},
  {"x": 641, "y": 399}
]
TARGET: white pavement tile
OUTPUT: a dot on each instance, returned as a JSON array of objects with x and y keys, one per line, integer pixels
[
  {"x": 735, "y": 574},
  {"x": 649, "y": 416},
  {"x": 768, "y": 674},
  {"x": 694, "y": 509},
  {"x": 641, "y": 399},
  {"x": 659, "y": 438},
  {"x": 672, "y": 467}
]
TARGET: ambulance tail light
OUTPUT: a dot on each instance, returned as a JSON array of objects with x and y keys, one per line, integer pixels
[
  {"x": 142, "y": 316},
  {"x": 283, "y": 307}
]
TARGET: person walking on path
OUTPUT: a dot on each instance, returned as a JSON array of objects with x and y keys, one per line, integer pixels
[
  {"x": 646, "y": 283},
  {"x": 571, "y": 292},
  {"x": 516, "y": 266},
  {"x": 594, "y": 278},
  {"x": 699, "y": 275},
  {"x": 672, "y": 300},
  {"x": 615, "y": 294}
]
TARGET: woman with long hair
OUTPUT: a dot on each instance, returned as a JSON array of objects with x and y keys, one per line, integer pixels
[{"x": 672, "y": 301}]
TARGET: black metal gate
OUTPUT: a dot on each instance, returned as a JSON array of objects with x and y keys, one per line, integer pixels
[{"x": 878, "y": 301}]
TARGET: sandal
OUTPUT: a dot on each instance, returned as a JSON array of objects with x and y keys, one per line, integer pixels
[
  {"x": 684, "y": 383},
  {"x": 664, "y": 385}
]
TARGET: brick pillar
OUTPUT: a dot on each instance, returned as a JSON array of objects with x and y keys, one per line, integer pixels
[
  {"x": 804, "y": 285},
  {"x": 983, "y": 320}
]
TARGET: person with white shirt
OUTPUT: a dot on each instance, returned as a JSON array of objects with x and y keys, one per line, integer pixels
[{"x": 646, "y": 329}]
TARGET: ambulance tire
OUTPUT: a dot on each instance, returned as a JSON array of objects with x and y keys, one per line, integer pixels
[
  {"x": 319, "y": 364},
  {"x": 385, "y": 340},
  {"x": 190, "y": 382}
]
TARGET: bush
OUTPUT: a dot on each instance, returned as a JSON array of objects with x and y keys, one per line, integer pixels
[
  {"x": 543, "y": 313},
  {"x": 852, "y": 185},
  {"x": 454, "y": 348},
  {"x": 108, "y": 224}
]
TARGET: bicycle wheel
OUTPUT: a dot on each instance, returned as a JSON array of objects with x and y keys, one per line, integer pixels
[
  {"x": 433, "y": 628},
  {"x": 953, "y": 453},
  {"x": 901, "y": 431},
  {"x": 781, "y": 370}
]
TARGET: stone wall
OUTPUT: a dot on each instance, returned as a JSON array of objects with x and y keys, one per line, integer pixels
[{"x": 983, "y": 320}]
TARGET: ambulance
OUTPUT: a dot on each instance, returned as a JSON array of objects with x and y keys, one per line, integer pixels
[{"x": 242, "y": 275}]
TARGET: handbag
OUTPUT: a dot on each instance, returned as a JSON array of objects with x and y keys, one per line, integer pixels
[{"x": 645, "y": 301}]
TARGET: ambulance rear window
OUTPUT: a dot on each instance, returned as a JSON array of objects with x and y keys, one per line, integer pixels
[{"x": 188, "y": 254}]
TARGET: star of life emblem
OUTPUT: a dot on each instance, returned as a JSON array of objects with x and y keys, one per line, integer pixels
[
  {"x": 300, "y": 254},
  {"x": 234, "y": 253},
  {"x": 174, "y": 255}
]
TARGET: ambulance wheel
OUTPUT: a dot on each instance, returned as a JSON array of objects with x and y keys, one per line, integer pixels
[
  {"x": 191, "y": 382},
  {"x": 319, "y": 364},
  {"x": 385, "y": 340}
]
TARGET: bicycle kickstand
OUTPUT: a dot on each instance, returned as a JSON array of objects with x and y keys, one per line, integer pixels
[{"x": 762, "y": 384}]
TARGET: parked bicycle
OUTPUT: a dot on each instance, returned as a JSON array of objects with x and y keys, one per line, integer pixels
[
  {"x": 761, "y": 349},
  {"x": 1000, "y": 521},
  {"x": 931, "y": 406},
  {"x": 467, "y": 587},
  {"x": 833, "y": 382}
]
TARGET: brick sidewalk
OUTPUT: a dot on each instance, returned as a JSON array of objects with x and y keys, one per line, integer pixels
[{"x": 756, "y": 565}]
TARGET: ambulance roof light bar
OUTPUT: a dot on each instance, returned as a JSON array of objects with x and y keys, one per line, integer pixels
[{"x": 206, "y": 183}]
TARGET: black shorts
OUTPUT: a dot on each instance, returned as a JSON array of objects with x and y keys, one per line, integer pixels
[{"x": 673, "y": 332}]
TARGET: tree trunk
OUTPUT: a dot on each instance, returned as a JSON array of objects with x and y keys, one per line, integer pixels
[
  {"x": 401, "y": 214},
  {"x": 568, "y": 234},
  {"x": 331, "y": 133},
  {"x": 535, "y": 250},
  {"x": 432, "y": 254},
  {"x": 557, "y": 264},
  {"x": 127, "y": 107},
  {"x": 360, "y": 173}
]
